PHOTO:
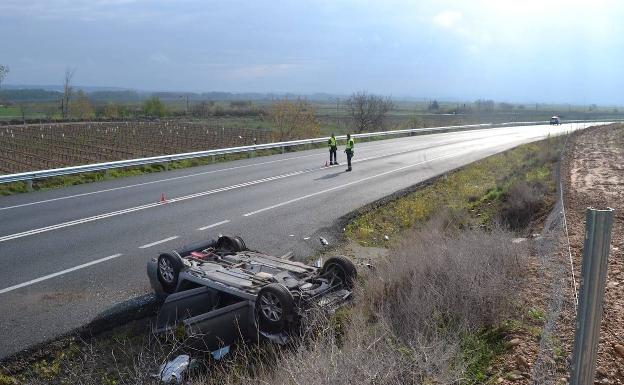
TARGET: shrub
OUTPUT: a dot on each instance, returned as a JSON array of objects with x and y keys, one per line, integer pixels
[
  {"x": 521, "y": 203},
  {"x": 411, "y": 317}
]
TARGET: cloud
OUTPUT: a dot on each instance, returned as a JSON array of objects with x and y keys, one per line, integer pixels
[
  {"x": 475, "y": 37},
  {"x": 448, "y": 19}
]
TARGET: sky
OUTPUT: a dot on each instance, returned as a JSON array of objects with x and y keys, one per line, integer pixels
[{"x": 566, "y": 51}]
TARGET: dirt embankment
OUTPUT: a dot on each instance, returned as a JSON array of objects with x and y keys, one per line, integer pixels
[{"x": 594, "y": 176}]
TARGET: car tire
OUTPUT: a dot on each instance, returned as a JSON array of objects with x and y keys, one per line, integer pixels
[
  {"x": 168, "y": 271},
  {"x": 233, "y": 244},
  {"x": 340, "y": 268},
  {"x": 275, "y": 309},
  {"x": 241, "y": 244}
]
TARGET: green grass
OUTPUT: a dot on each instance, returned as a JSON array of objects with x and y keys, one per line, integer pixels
[
  {"x": 478, "y": 351},
  {"x": 473, "y": 194},
  {"x": 537, "y": 314},
  {"x": 9, "y": 111}
]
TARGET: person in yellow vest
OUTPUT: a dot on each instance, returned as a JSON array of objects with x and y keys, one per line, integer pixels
[
  {"x": 349, "y": 151},
  {"x": 333, "y": 147}
]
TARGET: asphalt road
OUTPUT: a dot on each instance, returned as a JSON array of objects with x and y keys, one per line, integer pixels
[{"x": 68, "y": 255}]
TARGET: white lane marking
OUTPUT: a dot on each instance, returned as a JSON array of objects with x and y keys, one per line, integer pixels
[
  {"x": 46, "y": 277},
  {"x": 152, "y": 182},
  {"x": 214, "y": 225},
  {"x": 158, "y": 242},
  {"x": 349, "y": 184}
]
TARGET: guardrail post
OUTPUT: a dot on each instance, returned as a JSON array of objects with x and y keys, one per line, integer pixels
[
  {"x": 593, "y": 277},
  {"x": 283, "y": 149},
  {"x": 29, "y": 185}
]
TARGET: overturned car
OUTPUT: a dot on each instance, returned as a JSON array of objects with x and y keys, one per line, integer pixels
[{"x": 221, "y": 291}]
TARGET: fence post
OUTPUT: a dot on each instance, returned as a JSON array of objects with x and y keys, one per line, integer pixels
[{"x": 593, "y": 277}]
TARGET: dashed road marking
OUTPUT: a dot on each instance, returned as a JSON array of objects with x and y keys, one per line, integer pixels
[
  {"x": 214, "y": 225},
  {"x": 158, "y": 242},
  {"x": 49, "y": 276}
]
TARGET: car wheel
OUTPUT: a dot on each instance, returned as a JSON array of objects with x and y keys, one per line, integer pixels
[
  {"x": 275, "y": 308},
  {"x": 339, "y": 269},
  {"x": 233, "y": 244},
  {"x": 240, "y": 243},
  {"x": 169, "y": 267}
]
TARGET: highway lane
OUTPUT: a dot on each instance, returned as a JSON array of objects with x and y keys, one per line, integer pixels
[
  {"x": 98, "y": 237},
  {"x": 40, "y": 211}
]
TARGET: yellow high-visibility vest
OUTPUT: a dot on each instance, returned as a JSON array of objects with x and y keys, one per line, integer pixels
[
  {"x": 332, "y": 142},
  {"x": 350, "y": 144}
]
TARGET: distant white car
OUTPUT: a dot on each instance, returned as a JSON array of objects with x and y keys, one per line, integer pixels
[{"x": 555, "y": 120}]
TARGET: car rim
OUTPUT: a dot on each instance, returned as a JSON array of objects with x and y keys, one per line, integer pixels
[
  {"x": 166, "y": 270},
  {"x": 271, "y": 307}
]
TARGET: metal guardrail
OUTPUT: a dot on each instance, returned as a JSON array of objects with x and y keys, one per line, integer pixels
[{"x": 29, "y": 176}]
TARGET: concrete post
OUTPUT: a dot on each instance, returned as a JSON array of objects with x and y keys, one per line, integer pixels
[{"x": 593, "y": 278}]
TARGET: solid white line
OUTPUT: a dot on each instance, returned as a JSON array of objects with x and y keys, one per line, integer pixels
[
  {"x": 214, "y": 225},
  {"x": 46, "y": 277},
  {"x": 158, "y": 242},
  {"x": 348, "y": 184}
]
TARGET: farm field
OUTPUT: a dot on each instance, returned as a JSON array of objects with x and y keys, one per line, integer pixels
[{"x": 42, "y": 146}]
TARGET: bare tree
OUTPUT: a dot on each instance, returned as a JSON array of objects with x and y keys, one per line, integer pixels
[
  {"x": 4, "y": 70},
  {"x": 67, "y": 91},
  {"x": 368, "y": 111}
]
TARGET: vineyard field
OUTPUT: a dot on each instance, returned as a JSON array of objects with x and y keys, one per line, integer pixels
[{"x": 33, "y": 147}]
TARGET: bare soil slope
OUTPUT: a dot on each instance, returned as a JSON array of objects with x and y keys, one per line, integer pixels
[{"x": 595, "y": 177}]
